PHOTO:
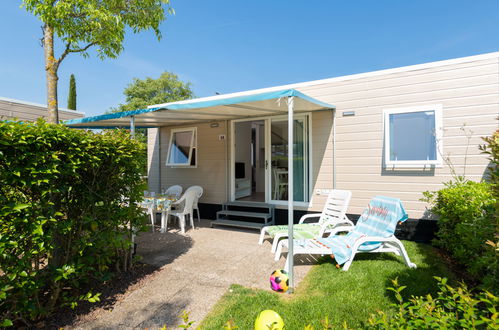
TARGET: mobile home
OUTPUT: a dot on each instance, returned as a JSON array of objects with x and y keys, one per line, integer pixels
[
  {"x": 29, "y": 111},
  {"x": 395, "y": 132}
]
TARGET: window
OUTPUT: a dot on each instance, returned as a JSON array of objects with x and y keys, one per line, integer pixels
[
  {"x": 413, "y": 136},
  {"x": 182, "y": 149}
]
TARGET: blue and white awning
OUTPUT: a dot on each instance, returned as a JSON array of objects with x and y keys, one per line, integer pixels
[{"x": 213, "y": 108}]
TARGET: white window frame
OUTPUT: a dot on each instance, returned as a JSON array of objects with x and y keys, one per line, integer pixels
[
  {"x": 437, "y": 108},
  {"x": 194, "y": 139}
]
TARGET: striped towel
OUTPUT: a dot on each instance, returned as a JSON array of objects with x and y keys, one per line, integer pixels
[
  {"x": 379, "y": 219},
  {"x": 300, "y": 231}
]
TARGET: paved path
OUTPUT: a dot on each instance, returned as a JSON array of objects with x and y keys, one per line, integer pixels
[{"x": 196, "y": 270}]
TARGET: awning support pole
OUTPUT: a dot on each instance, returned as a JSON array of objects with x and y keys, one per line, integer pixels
[
  {"x": 290, "y": 192},
  {"x": 132, "y": 126}
]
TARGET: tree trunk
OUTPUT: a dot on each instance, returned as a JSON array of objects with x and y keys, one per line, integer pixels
[{"x": 51, "y": 66}]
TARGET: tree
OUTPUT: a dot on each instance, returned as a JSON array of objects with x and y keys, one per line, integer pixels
[
  {"x": 167, "y": 88},
  {"x": 81, "y": 24},
  {"x": 72, "y": 93}
]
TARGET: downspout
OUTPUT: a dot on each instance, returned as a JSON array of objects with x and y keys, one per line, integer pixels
[{"x": 334, "y": 148}]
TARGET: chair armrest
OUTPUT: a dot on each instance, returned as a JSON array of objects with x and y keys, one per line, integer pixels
[
  {"x": 373, "y": 239},
  {"x": 308, "y": 216},
  {"x": 179, "y": 201}
]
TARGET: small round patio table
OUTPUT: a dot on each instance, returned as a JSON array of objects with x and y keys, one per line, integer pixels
[{"x": 160, "y": 204}]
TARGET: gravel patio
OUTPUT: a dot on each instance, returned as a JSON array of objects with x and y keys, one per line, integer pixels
[{"x": 196, "y": 269}]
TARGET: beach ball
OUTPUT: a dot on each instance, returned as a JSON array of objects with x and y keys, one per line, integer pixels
[
  {"x": 268, "y": 319},
  {"x": 279, "y": 280}
]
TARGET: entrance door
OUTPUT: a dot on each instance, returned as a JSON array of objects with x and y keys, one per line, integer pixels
[
  {"x": 249, "y": 161},
  {"x": 260, "y": 153}
]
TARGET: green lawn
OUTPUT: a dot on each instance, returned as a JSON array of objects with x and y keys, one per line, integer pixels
[{"x": 329, "y": 292}]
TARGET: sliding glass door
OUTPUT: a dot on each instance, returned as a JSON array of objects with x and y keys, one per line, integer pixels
[
  {"x": 260, "y": 166},
  {"x": 279, "y": 159}
]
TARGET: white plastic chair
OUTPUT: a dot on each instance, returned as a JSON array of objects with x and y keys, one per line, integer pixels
[
  {"x": 333, "y": 215},
  {"x": 186, "y": 203},
  {"x": 199, "y": 193},
  {"x": 280, "y": 182},
  {"x": 174, "y": 190},
  {"x": 150, "y": 206}
]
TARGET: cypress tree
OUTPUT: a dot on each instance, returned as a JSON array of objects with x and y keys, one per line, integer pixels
[{"x": 72, "y": 93}]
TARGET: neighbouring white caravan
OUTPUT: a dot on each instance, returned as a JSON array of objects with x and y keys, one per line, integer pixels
[{"x": 29, "y": 111}]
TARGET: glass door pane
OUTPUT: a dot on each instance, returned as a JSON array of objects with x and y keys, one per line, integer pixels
[{"x": 279, "y": 159}]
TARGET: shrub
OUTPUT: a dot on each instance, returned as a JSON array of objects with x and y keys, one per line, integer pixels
[
  {"x": 452, "y": 308},
  {"x": 491, "y": 148},
  {"x": 466, "y": 222},
  {"x": 67, "y": 203}
]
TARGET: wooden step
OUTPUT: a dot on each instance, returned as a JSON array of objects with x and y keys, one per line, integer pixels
[
  {"x": 234, "y": 214},
  {"x": 235, "y": 223},
  {"x": 258, "y": 205},
  {"x": 264, "y": 216}
]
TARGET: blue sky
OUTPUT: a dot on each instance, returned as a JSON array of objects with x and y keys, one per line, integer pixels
[{"x": 229, "y": 46}]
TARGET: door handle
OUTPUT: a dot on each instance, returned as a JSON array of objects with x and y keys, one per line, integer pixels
[{"x": 266, "y": 164}]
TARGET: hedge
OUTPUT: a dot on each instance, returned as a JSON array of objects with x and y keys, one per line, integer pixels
[
  {"x": 67, "y": 203},
  {"x": 467, "y": 219}
]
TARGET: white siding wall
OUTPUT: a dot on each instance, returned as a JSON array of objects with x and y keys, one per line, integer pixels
[
  {"x": 322, "y": 157},
  {"x": 469, "y": 94},
  {"x": 211, "y": 171}
]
